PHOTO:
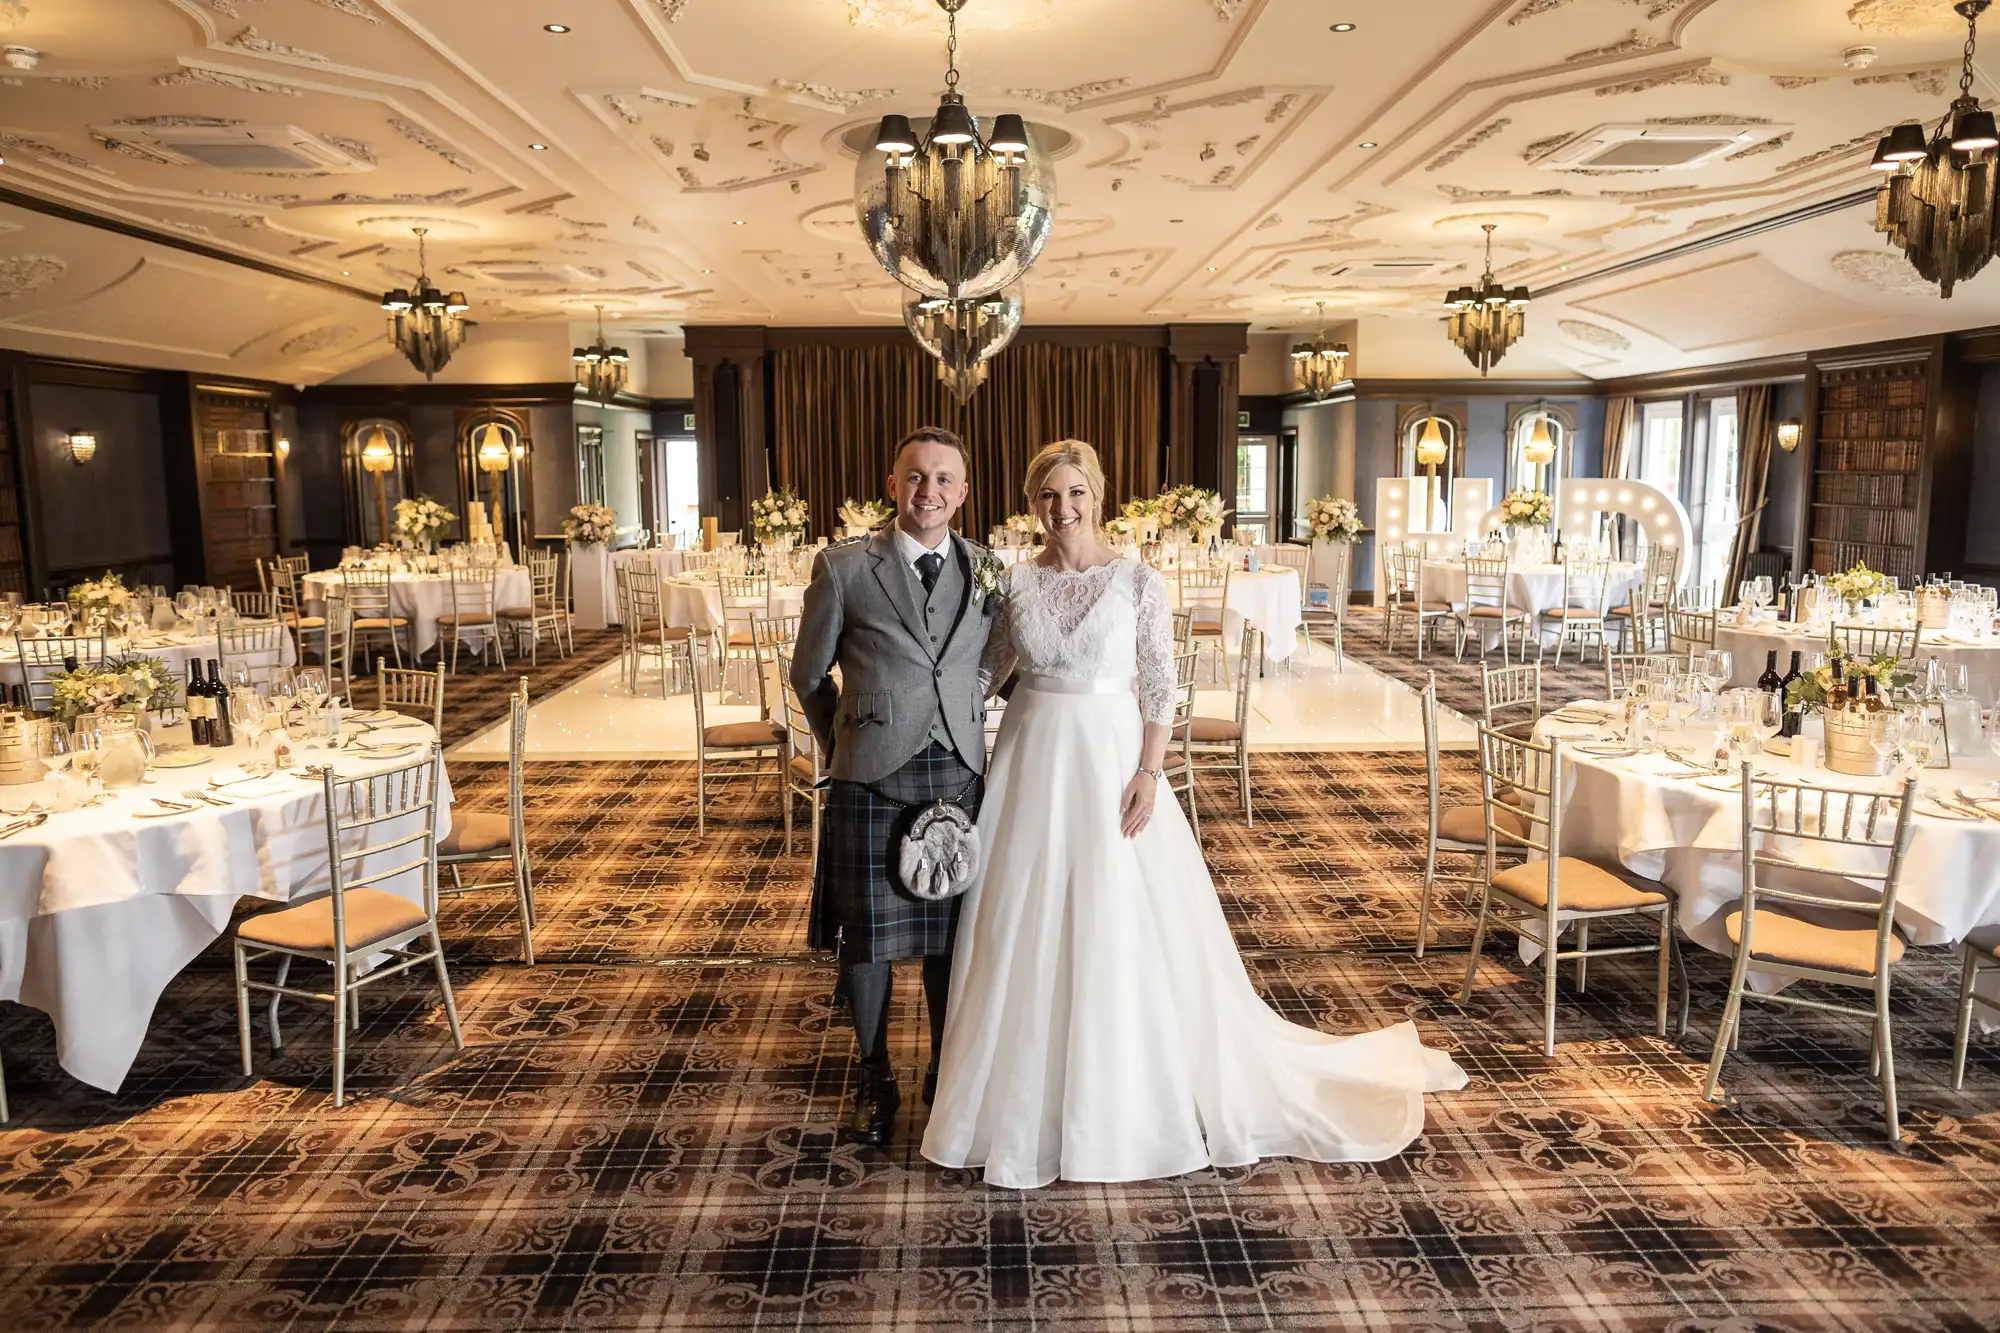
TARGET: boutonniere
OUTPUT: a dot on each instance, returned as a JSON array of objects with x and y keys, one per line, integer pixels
[{"x": 988, "y": 577}]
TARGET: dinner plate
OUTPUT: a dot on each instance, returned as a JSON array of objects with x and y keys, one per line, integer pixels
[
  {"x": 1939, "y": 810},
  {"x": 1720, "y": 782},
  {"x": 180, "y": 759},
  {"x": 1607, "y": 751}
]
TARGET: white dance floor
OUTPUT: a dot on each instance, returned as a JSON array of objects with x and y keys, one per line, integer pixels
[{"x": 1319, "y": 709}]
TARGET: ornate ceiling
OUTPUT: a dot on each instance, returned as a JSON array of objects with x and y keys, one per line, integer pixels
[{"x": 684, "y": 160}]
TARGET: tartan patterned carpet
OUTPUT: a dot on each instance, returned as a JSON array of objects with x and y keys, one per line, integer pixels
[
  {"x": 475, "y": 695},
  {"x": 1458, "y": 682},
  {"x": 641, "y": 1133}
]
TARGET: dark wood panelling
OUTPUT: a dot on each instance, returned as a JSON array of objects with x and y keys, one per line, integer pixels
[
  {"x": 14, "y": 573},
  {"x": 239, "y": 492}
]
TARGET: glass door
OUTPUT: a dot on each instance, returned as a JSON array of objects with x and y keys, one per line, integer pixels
[{"x": 677, "y": 489}]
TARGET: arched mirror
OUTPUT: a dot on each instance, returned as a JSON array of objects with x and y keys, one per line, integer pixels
[
  {"x": 1540, "y": 441},
  {"x": 1432, "y": 448},
  {"x": 375, "y": 461},
  {"x": 493, "y": 472}
]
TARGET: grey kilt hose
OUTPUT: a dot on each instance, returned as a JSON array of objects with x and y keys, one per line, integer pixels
[{"x": 856, "y": 906}]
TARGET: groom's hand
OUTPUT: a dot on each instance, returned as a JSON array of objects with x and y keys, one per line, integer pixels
[{"x": 1135, "y": 808}]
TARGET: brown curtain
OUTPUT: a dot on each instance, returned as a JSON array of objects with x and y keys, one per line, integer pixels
[
  {"x": 837, "y": 413},
  {"x": 1617, "y": 438},
  {"x": 1753, "y": 477}
]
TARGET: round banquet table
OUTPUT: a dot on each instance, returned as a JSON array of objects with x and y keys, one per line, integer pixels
[
  {"x": 1530, "y": 588},
  {"x": 1748, "y": 644},
  {"x": 696, "y": 602},
  {"x": 174, "y": 649},
  {"x": 99, "y": 909},
  {"x": 422, "y": 598},
  {"x": 1687, "y": 834},
  {"x": 668, "y": 563},
  {"x": 1272, "y": 601}
]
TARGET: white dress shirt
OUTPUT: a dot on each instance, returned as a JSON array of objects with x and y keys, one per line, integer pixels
[{"x": 913, "y": 550}]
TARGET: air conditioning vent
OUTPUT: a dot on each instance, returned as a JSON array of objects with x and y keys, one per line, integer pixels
[
  {"x": 273, "y": 148},
  {"x": 1656, "y": 147},
  {"x": 528, "y": 273}
]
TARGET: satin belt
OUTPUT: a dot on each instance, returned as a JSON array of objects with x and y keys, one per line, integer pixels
[{"x": 1054, "y": 685}]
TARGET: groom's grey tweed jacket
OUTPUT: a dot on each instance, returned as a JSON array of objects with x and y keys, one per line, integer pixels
[{"x": 908, "y": 670}]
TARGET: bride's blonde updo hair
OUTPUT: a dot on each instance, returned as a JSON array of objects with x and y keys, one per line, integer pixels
[{"x": 1078, "y": 455}]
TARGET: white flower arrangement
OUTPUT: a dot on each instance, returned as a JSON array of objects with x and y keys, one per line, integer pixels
[
  {"x": 1857, "y": 584},
  {"x": 1527, "y": 509},
  {"x": 1334, "y": 519},
  {"x": 1023, "y": 525},
  {"x": 1192, "y": 508},
  {"x": 778, "y": 514},
  {"x": 1141, "y": 507},
  {"x": 590, "y": 525},
  {"x": 1121, "y": 526},
  {"x": 123, "y": 682},
  {"x": 422, "y": 520},
  {"x": 866, "y": 513},
  {"x": 102, "y": 593},
  {"x": 989, "y": 579}
]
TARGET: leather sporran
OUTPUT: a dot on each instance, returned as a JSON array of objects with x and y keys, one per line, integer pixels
[{"x": 937, "y": 849}]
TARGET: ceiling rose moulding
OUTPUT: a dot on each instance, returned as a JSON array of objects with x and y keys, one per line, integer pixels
[
  {"x": 1703, "y": 75},
  {"x": 252, "y": 41},
  {"x": 1898, "y": 17},
  {"x": 1931, "y": 81}
]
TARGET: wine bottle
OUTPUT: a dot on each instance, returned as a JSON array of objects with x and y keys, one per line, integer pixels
[
  {"x": 1770, "y": 682},
  {"x": 1794, "y": 717},
  {"x": 197, "y": 703},
  {"x": 69, "y": 662},
  {"x": 219, "y": 733},
  {"x": 1836, "y": 690}
]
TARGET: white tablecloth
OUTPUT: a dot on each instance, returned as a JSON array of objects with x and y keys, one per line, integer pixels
[
  {"x": 100, "y": 910},
  {"x": 1271, "y": 600},
  {"x": 172, "y": 649},
  {"x": 668, "y": 563},
  {"x": 1530, "y": 588},
  {"x": 422, "y": 598},
  {"x": 1748, "y": 645},
  {"x": 1690, "y": 837},
  {"x": 696, "y": 601}
]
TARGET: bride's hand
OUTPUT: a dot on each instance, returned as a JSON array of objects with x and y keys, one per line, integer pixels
[{"x": 1135, "y": 808}]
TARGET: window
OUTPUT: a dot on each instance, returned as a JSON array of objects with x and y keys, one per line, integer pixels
[
  {"x": 590, "y": 465},
  {"x": 683, "y": 472},
  {"x": 1253, "y": 477},
  {"x": 1721, "y": 507},
  {"x": 1660, "y": 447}
]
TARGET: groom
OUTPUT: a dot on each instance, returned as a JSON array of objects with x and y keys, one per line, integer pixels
[{"x": 898, "y": 613}]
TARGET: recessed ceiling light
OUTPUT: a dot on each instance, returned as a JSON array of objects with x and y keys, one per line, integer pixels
[
  {"x": 1211, "y": 268},
  {"x": 555, "y": 27},
  {"x": 539, "y": 147},
  {"x": 1177, "y": 219},
  {"x": 708, "y": 270},
  {"x": 739, "y": 222},
  {"x": 1368, "y": 143},
  {"x": 1343, "y": 27},
  {"x": 343, "y": 273}
]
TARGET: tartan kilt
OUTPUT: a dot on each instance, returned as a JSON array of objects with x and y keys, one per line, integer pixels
[{"x": 856, "y": 907}]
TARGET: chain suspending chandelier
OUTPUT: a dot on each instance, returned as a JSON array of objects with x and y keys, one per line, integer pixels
[
  {"x": 1936, "y": 205},
  {"x": 950, "y": 212},
  {"x": 964, "y": 335},
  {"x": 425, "y": 325},
  {"x": 601, "y": 368},
  {"x": 1486, "y": 322},
  {"x": 1318, "y": 364}
]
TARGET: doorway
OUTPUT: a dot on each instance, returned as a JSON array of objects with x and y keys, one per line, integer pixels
[{"x": 672, "y": 487}]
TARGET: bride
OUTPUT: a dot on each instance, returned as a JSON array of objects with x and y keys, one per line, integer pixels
[{"x": 1102, "y": 1026}]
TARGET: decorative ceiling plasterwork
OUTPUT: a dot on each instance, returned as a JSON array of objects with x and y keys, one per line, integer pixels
[
  {"x": 325, "y": 338},
  {"x": 1899, "y": 17},
  {"x": 21, "y": 274},
  {"x": 1593, "y": 335},
  {"x": 1882, "y": 270}
]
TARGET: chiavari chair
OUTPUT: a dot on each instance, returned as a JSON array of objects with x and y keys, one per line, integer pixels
[
  {"x": 481, "y": 838},
  {"x": 1521, "y": 789},
  {"x": 1512, "y": 697},
  {"x": 545, "y": 609},
  {"x": 368, "y": 599},
  {"x": 1848, "y": 942},
  {"x": 1296, "y": 559},
  {"x": 1338, "y": 562},
  {"x": 297, "y": 565},
  {"x": 339, "y": 642},
  {"x": 251, "y": 605},
  {"x": 1580, "y": 617},
  {"x": 1183, "y": 631},
  {"x": 42, "y": 660},
  {"x": 1974, "y": 962},
  {"x": 1872, "y": 641},
  {"x": 743, "y": 598},
  {"x": 252, "y": 651},
  {"x": 1407, "y": 598},
  {"x": 1204, "y": 591},
  {"x": 1458, "y": 830},
  {"x": 1229, "y": 737},
  {"x": 734, "y": 744},
  {"x": 1690, "y": 632},
  {"x": 1694, "y": 597},
  {"x": 418, "y": 694},
  {"x": 473, "y": 614},
  {"x": 285, "y": 606},
  {"x": 356, "y": 922},
  {"x": 769, "y": 636},
  {"x": 1646, "y": 608},
  {"x": 1621, "y": 669},
  {"x": 1487, "y": 606},
  {"x": 1177, "y": 768},
  {"x": 647, "y": 634},
  {"x": 803, "y": 774}
]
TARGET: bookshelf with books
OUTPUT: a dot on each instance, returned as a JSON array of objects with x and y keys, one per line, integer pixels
[{"x": 1872, "y": 429}]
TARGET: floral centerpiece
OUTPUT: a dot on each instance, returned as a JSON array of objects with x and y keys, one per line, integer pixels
[
  {"x": 590, "y": 525},
  {"x": 1122, "y": 527},
  {"x": 1198, "y": 511},
  {"x": 100, "y": 594},
  {"x": 1023, "y": 528},
  {"x": 866, "y": 513},
  {"x": 1527, "y": 509},
  {"x": 779, "y": 516},
  {"x": 1334, "y": 519},
  {"x": 1809, "y": 693},
  {"x": 1858, "y": 584},
  {"x": 422, "y": 520},
  {"x": 141, "y": 683}
]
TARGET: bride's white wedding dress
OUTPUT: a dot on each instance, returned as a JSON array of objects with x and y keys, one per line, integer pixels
[{"x": 1102, "y": 1026}]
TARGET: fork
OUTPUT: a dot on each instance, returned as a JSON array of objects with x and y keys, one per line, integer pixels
[
  {"x": 174, "y": 806},
  {"x": 197, "y": 794}
]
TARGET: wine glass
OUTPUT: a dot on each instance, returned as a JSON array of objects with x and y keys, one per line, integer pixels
[
  {"x": 52, "y": 746},
  {"x": 1885, "y": 735},
  {"x": 1922, "y": 740},
  {"x": 1769, "y": 715},
  {"x": 187, "y": 602},
  {"x": 249, "y": 714},
  {"x": 1762, "y": 593}
]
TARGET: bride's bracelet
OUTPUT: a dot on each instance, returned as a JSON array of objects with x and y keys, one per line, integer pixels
[{"x": 1156, "y": 774}]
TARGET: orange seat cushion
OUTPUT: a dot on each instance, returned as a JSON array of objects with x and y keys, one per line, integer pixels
[
  {"x": 741, "y": 735},
  {"x": 1467, "y": 823},
  {"x": 477, "y": 831},
  {"x": 1785, "y": 939},
  {"x": 1494, "y": 612},
  {"x": 1214, "y": 729},
  {"x": 1580, "y": 887},
  {"x": 372, "y": 916},
  {"x": 380, "y": 622},
  {"x": 469, "y": 618},
  {"x": 1571, "y": 613},
  {"x": 802, "y": 768},
  {"x": 306, "y": 622}
]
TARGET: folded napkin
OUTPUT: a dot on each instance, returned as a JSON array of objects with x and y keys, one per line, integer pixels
[{"x": 1590, "y": 707}]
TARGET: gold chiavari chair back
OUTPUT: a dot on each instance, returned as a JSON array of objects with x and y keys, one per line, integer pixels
[
  {"x": 473, "y": 613},
  {"x": 1204, "y": 592},
  {"x": 250, "y": 651},
  {"x": 480, "y": 837},
  {"x": 373, "y": 612},
  {"x": 1229, "y": 737},
  {"x": 1873, "y": 641},
  {"x": 803, "y": 773},
  {"x": 412, "y": 693},
  {"x": 1178, "y": 767},
  {"x": 42, "y": 660},
  {"x": 1621, "y": 669},
  {"x": 1488, "y": 607},
  {"x": 1512, "y": 697},
  {"x": 1690, "y": 631}
]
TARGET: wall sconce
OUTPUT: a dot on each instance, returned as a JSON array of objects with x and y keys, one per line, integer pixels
[
  {"x": 1788, "y": 435},
  {"x": 82, "y": 445},
  {"x": 284, "y": 447}
]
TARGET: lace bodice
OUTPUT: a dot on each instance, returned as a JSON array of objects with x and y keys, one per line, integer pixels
[{"x": 1113, "y": 620}]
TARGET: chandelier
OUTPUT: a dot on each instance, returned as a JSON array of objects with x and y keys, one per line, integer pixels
[
  {"x": 950, "y": 213},
  {"x": 601, "y": 368},
  {"x": 1318, "y": 366},
  {"x": 1540, "y": 449},
  {"x": 964, "y": 335},
  {"x": 1936, "y": 205},
  {"x": 1486, "y": 322},
  {"x": 425, "y": 325}
]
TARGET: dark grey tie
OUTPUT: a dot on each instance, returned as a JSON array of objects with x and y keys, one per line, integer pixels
[{"x": 928, "y": 565}]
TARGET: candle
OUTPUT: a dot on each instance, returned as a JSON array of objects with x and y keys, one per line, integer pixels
[{"x": 708, "y": 532}]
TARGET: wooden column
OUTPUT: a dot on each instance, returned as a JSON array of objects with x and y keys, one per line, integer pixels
[
  {"x": 730, "y": 427},
  {"x": 1202, "y": 377}
]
